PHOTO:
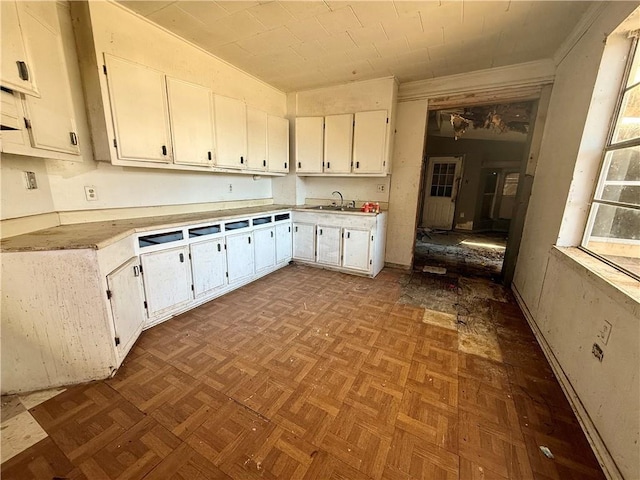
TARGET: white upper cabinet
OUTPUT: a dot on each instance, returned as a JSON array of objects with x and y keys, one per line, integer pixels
[
  {"x": 191, "y": 114},
  {"x": 256, "y": 139},
  {"x": 17, "y": 69},
  {"x": 231, "y": 132},
  {"x": 370, "y": 142},
  {"x": 139, "y": 107},
  {"x": 277, "y": 144},
  {"x": 338, "y": 143},
  {"x": 309, "y": 144}
]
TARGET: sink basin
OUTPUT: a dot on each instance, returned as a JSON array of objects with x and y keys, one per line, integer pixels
[{"x": 334, "y": 208}]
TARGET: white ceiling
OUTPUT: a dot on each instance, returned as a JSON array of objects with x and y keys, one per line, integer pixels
[{"x": 297, "y": 45}]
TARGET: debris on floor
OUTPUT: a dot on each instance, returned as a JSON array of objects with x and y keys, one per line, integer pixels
[
  {"x": 436, "y": 270},
  {"x": 546, "y": 451}
]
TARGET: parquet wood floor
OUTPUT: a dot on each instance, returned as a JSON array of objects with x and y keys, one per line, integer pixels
[{"x": 312, "y": 374}]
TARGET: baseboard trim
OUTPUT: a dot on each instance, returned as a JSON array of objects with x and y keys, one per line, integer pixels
[{"x": 598, "y": 446}]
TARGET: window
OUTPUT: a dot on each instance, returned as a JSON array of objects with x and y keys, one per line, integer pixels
[{"x": 613, "y": 227}]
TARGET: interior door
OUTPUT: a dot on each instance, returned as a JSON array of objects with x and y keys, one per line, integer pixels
[{"x": 443, "y": 179}]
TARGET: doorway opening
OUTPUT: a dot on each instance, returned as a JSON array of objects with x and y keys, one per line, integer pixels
[{"x": 473, "y": 166}]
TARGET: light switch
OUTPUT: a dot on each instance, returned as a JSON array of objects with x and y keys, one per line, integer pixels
[{"x": 30, "y": 179}]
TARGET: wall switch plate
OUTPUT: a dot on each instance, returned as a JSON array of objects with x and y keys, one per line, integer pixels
[
  {"x": 30, "y": 179},
  {"x": 90, "y": 193},
  {"x": 380, "y": 188},
  {"x": 604, "y": 332}
]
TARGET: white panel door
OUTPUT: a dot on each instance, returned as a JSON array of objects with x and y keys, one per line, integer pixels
[
  {"x": 265, "y": 248},
  {"x": 240, "y": 256},
  {"x": 167, "y": 280},
  {"x": 277, "y": 144},
  {"x": 256, "y": 139},
  {"x": 231, "y": 132},
  {"x": 338, "y": 143},
  {"x": 191, "y": 115},
  {"x": 208, "y": 266},
  {"x": 51, "y": 117},
  {"x": 443, "y": 178},
  {"x": 309, "y": 144},
  {"x": 127, "y": 303},
  {"x": 283, "y": 242},
  {"x": 17, "y": 71},
  {"x": 370, "y": 141},
  {"x": 328, "y": 245},
  {"x": 357, "y": 249},
  {"x": 304, "y": 241},
  {"x": 138, "y": 97}
]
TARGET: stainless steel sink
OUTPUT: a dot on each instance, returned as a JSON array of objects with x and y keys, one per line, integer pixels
[{"x": 334, "y": 208}]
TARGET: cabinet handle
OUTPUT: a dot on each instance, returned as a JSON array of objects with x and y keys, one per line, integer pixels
[
  {"x": 23, "y": 70},
  {"x": 219, "y": 248},
  {"x": 299, "y": 164},
  {"x": 357, "y": 164},
  {"x": 285, "y": 165},
  {"x": 289, "y": 229},
  {"x": 136, "y": 271},
  {"x": 74, "y": 138},
  {"x": 241, "y": 159},
  {"x": 328, "y": 164},
  {"x": 264, "y": 163},
  {"x": 348, "y": 234},
  {"x": 209, "y": 155},
  {"x": 182, "y": 258},
  {"x": 249, "y": 238},
  {"x": 272, "y": 234},
  {"x": 320, "y": 231},
  {"x": 296, "y": 229},
  {"x": 164, "y": 149}
]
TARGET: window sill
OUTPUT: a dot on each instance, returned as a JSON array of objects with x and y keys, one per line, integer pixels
[{"x": 615, "y": 283}]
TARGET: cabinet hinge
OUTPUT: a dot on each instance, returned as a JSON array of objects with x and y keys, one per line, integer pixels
[
  {"x": 341, "y": 257},
  {"x": 192, "y": 289},
  {"x": 109, "y": 294},
  {"x": 190, "y": 259},
  {"x": 115, "y": 143},
  {"x": 27, "y": 123},
  {"x": 145, "y": 304},
  {"x": 227, "y": 274},
  {"x": 354, "y": 123},
  {"x": 104, "y": 69},
  {"x": 117, "y": 339},
  {"x": 372, "y": 238},
  {"x": 141, "y": 269},
  {"x": 387, "y": 119}
]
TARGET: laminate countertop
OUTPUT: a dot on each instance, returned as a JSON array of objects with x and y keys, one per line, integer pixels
[{"x": 95, "y": 235}]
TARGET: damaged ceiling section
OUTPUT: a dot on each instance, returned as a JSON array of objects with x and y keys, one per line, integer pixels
[{"x": 489, "y": 120}]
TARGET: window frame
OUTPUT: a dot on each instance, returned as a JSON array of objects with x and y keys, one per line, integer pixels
[{"x": 634, "y": 50}]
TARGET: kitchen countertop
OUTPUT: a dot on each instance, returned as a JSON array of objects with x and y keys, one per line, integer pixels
[{"x": 95, "y": 235}]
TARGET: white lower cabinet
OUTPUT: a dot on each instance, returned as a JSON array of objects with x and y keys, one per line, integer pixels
[
  {"x": 208, "y": 266},
  {"x": 352, "y": 243},
  {"x": 304, "y": 241},
  {"x": 283, "y": 242},
  {"x": 240, "y": 256},
  {"x": 328, "y": 241},
  {"x": 356, "y": 245},
  {"x": 126, "y": 296},
  {"x": 167, "y": 280},
  {"x": 264, "y": 248}
]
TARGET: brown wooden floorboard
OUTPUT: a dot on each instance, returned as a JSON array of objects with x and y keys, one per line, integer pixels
[{"x": 313, "y": 374}]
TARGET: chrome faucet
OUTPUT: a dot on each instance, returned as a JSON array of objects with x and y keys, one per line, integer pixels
[{"x": 341, "y": 198}]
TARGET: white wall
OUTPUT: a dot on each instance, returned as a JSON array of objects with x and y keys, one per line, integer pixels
[
  {"x": 15, "y": 199},
  {"x": 568, "y": 305}
]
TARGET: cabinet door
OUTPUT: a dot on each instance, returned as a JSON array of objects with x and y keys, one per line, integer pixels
[
  {"x": 17, "y": 71},
  {"x": 283, "y": 242},
  {"x": 328, "y": 245},
  {"x": 278, "y": 144},
  {"x": 370, "y": 141},
  {"x": 304, "y": 241},
  {"x": 139, "y": 108},
  {"x": 127, "y": 303},
  {"x": 240, "y": 259},
  {"x": 231, "y": 132},
  {"x": 208, "y": 266},
  {"x": 191, "y": 115},
  {"x": 338, "y": 141},
  {"x": 167, "y": 280},
  {"x": 256, "y": 139},
  {"x": 309, "y": 144},
  {"x": 357, "y": 248},
  {"x": 265, "y": 248},
  {"x": 51, "y": 123}
]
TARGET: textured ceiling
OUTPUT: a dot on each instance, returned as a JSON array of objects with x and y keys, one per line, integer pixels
[{"x": 306, "y": 44}]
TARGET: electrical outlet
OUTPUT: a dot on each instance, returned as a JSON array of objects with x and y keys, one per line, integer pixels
[
  {"x": 90, "y": 193},
  {"x": 30, "y": 179},
  {"x": 380, "y": 188},
  {"x": 230, "y": 187},
  {"x": 604, "y": 332}
]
